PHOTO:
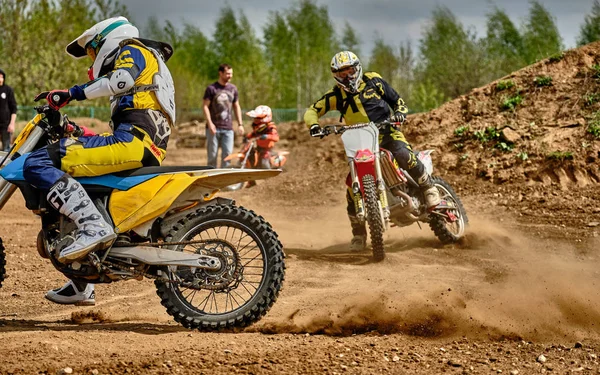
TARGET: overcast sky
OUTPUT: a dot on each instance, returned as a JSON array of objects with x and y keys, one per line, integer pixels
[{"x": 394, "y": 20}]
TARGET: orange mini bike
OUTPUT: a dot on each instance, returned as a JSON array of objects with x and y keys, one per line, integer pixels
[{"x": 249, "y": 157}]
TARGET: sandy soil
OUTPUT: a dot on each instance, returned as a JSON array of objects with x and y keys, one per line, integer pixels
[{"x": 514, "y": 290}]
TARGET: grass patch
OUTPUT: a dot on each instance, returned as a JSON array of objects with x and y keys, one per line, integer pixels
[
  {"x": 488, "y": 134},
  {"x": 594, "y": 129},
  {"x": 505, "y": 85},
  {"x": 560, "y": 155},
  {"x": 591, "y": 99},
  {"x": 461, "y": 131},
  {"x": 596, "y": 71},
  {"x": 556, "y": 57},
  {"x": 504, "y": 146},
  {"x": 593, "y": 126},
  {"x": 511, "y": 102},
  {"x": 522, "y": 156},
  {"x": 541, "y": 81}
]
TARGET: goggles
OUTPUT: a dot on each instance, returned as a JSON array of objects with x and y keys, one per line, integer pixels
[
  {"x": 345, "y": 72},
  {"x": 91, "y": 52}
]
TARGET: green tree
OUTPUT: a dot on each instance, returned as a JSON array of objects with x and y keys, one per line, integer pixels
[
  {"x": 451, "y": 56},
  {"x": 540, "y": 37},
  {"x": 384, "y": 61},
  {"x": 590, "y": 30},
  {"x": 236, "y": 44},
  {"x": 110, "y": 8},
  {"x": 299, "y": 44},
  {"x": 34, "y": 39},
  {"x": 426, "y": 96},
  {"x": 350, "y": 41},
  {"x": 504, "y": 45},
  {"x": 405, "y": 77},
  {"x": 278, "y": 55},
  {"x": 314, "y": 45}
]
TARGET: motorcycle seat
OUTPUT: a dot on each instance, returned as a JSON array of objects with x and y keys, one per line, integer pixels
[{"x": 160, "y": 169}]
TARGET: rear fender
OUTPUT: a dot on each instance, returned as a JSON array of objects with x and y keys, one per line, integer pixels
[
  {"x": 425, "y": 157},
  {"x": 173, "y": 216},
  {"x": 145, "y": 202}
]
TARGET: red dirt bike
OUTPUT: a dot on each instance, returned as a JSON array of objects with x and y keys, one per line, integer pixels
[
  {"x": 248, "y": 158},
  {"x": 384, "y": 193}
]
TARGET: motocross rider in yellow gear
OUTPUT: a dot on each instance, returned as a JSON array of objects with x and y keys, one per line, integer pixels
[{"x": 363, "y": 98}]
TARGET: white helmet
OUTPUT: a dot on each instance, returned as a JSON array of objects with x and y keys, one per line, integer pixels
[
  {"x": 101, "y": 43},
  {"x": 261, "y": 115},
  {"x": 347, "y": 70}
]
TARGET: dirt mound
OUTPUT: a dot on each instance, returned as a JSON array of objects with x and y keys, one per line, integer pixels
[
  {"x": 539, "y": 124},
  {"x": 529, "y": 143}
]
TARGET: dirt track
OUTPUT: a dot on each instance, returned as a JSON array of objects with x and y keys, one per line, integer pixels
[
  {"x": 520, "y": 286},
  {"x": 519, "y": 295}
]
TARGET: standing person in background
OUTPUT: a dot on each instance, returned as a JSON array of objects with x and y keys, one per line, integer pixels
[
  {"x": 219, "y": 99},
  {"x": 8, "y": 112}
]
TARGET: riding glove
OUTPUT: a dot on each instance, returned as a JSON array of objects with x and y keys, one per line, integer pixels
[
  {"x": 315, "y": 130},
  {"x": 398, "y": 117},
  {"x": 56, "y": 98}
]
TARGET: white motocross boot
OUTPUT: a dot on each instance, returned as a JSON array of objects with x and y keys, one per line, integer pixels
[
  {"x": 359, "y": 241},
  {"x": 429, "y": 190},
  {"x": 93, "y": 232},
  {"x": 72, "y": 293}
]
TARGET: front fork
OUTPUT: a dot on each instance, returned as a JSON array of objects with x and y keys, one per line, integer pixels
[
  {"x": 6, "y": 188},
  {"x": 358, "y": 197}
]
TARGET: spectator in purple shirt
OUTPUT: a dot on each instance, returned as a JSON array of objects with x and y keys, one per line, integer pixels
[{"x": 219, "y": 100}]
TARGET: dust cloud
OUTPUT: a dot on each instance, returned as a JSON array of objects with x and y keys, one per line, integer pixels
[{"x": 497, "y": 283}]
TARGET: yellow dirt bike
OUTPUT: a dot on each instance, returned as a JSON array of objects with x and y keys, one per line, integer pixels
[{"x": 215, "y": 265}]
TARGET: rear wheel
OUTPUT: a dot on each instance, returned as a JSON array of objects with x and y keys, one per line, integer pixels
[
  {"x": 448, "y": 224},
  {"x": 374, "y": 218},
  {"x": 2, "y": 262},
  {"x": 248, "y": 282}
]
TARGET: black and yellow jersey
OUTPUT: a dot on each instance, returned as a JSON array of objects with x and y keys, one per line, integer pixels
[{"x": 372, "y": 102}]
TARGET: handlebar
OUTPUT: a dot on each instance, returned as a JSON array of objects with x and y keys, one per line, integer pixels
[
  {"x": 58, "y": 124},
  {"x": 340, "y": 128}
]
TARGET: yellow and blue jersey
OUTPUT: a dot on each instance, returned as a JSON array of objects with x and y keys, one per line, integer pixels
[{"x": 142, "y": 66}]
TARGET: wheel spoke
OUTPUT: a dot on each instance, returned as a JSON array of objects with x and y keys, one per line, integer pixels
[
  {"x": 245, "y": 246},
  {"x": 224, "y": 242}
]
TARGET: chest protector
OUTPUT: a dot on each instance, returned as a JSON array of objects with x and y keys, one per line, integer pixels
[
  {"x": 162, "y": 83},
  {"x": 165, "y": 92}
]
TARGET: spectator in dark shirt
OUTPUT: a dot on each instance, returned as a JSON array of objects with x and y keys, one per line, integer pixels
[
  {"x": 219, "y": 100},
  {"x": 8, "y": 111}
]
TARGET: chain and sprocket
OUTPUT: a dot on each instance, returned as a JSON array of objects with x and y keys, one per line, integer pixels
[{"x": 222, "y": 280}]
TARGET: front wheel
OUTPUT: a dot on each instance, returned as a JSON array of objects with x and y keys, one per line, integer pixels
[
  {"x": 374, "y": 218},
  {"x": 248, "y": 282},
  {"x": 448, "y": 223}
]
